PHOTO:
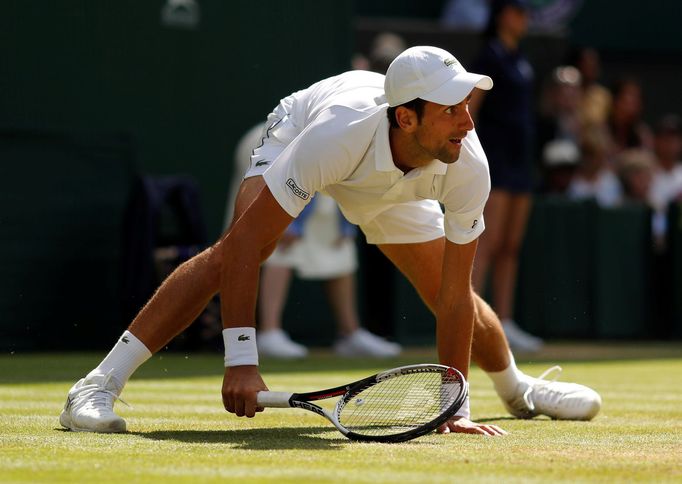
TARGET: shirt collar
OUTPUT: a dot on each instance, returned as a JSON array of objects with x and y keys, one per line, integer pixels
[{"x": 384, "y": 158}]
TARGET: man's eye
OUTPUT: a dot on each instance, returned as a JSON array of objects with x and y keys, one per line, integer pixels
[{"x": 448, "y": 110}]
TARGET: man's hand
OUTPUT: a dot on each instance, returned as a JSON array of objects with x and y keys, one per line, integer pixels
[
  {"x": 240, "y": 385},
  {"x": 462, "y": 425}
]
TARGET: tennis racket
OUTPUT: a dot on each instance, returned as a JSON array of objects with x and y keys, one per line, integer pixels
[{"x": 391, "y": 406}]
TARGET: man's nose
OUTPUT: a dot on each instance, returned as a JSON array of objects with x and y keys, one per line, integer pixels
[{"x": 468, "y": 121}]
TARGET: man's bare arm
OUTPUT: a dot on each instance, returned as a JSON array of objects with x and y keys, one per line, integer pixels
[{"x": 455, "y": 306}]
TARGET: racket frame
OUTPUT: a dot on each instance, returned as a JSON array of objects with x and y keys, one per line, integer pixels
[{"x": 348, "y": 391}]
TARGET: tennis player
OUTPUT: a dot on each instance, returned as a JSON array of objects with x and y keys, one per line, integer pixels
[{"x": 389, "y": 150}]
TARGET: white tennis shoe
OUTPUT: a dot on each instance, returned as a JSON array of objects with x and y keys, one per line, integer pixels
[
  {"x": 363, "y": 343},
  {"x": 558, "y": 400},
  {"x": 276, "y": 343},
  {"x": 90, "y": 406}
]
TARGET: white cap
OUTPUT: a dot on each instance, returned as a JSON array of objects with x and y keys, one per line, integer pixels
[{"x": 431, "y": 74}]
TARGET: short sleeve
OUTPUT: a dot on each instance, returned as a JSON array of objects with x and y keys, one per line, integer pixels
[
  {"x": 468, "y": 187},
  {"x": 323, "y": 154}
]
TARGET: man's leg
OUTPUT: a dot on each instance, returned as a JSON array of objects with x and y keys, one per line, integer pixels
[
  {"x": 354, "y": 339},
  {"x": 422, "y": 265},
  {"x": 522, "y": 395},
  {"x": 273, "y": 341},
  {"x": 274, "y": 287},
  {"x": 177, "y": 302}
]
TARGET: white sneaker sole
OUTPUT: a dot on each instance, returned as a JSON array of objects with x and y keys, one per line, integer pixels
[{"x": 114, "y": 427}]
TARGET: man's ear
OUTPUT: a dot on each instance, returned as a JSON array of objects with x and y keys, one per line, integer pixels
[{"x": 406, "y": 118}]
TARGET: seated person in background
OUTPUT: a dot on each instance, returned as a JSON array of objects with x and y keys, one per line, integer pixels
[
  {"x": 666, "y": 185},
  {"x": 595, "y": 178},
  {"x": 318, "y": 245},
  {"x": 625, "y": 123},
  {"x": 559, "y": 160},
  {"x": 560, "y": 107},
  {"x": 635, "y": 170},
  {"x": 596, "y": 99}
]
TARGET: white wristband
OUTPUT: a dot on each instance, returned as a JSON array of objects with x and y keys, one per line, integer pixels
[
  {"x": 464, "y": 410},
  {"x": 240, "y": 346}
]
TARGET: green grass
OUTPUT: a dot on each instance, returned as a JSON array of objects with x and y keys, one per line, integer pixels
[{"x": 179, "y": 432}]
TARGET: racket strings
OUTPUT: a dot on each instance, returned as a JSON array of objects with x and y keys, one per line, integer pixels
[{"x": 400, "y": 403}]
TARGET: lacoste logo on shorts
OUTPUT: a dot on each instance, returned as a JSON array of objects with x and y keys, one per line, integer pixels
[
  {"x": 261, "y": 163},
  {"x": 297, "y": 191},
  {"x": 474, "y": 224}
]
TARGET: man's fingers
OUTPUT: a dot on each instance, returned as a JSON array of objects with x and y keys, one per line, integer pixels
[
  {"x": 465, "y": 426},
  {"x": 498, "y": 430},
  {"x": 492, "y": 430},
  {"x": 239, "y": 408},
  {"x": 228, "y": 404},
  {"x": 250, "y": 408}
]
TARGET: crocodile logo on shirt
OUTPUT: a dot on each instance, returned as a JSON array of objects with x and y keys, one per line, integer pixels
[{"x": 299, "y": 192}]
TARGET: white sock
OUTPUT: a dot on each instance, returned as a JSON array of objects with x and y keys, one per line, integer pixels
[
  {"x": 506, "y": 381},
  {"x": 124, "y": 358}
]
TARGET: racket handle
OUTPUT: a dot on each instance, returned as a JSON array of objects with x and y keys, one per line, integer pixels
[{"x": 273, "y": 399}]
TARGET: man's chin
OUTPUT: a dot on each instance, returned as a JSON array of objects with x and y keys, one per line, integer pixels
[{"x": 449, "y": 158}]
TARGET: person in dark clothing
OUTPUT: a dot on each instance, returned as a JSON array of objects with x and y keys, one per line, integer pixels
[{"x": 504, "y": 121}]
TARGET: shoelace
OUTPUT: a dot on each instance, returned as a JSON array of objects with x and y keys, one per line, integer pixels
[
  {"x": 99, "y": 393},
  {"x": 527, "y": 394}
]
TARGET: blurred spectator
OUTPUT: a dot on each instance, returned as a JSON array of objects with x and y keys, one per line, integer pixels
[
  {"x": 466, "y": 14},
  {"x": 595, "y": 178},
  {"x": 666, "y": 186},
  {"x": 628, "y": 130},
  {"x": 560, "y": 108},
  {"x": 560, "y": 158},
  {"x": 385, "y": 47},
  {"x": 596, "y": 99},
  {"x": 667, "y": 181},
  {"x": 635, "y": 170},
  {"x": 504, "y": 125}
]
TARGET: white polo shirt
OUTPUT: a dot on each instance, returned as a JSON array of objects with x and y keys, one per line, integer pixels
[{"x": 333, "y": 138}]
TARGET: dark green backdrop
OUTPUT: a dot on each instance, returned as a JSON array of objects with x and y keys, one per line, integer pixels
[
  {"x": 74, "y": 74},
  {"x": 186, "y": 95}
]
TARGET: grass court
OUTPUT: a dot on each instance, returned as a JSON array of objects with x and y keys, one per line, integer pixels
[{"x": 179, "y": 432}]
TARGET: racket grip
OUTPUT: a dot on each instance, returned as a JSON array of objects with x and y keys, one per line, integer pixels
[{"x": 273, "y": 399}]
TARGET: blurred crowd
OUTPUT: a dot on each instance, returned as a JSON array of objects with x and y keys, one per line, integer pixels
[
  {"x": 568, "y": 135},
  {"x": 594, "y": 143},
  {"x": 591, "y": 140}
]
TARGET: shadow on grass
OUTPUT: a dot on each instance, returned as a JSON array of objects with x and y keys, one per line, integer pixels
[{"x": 254, "y": 439}]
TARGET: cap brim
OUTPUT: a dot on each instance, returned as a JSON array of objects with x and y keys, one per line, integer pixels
[{"x": 456, "y": 89}]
